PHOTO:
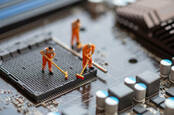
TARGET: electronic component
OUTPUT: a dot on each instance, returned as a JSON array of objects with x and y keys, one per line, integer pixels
[
  {"x": 170, "y": 91},
  {"x": 162, "y": 105},
  {"x": 139, "y": 109},
  {"x": 130, "y": 81},
  {"x": 25, "y": 71},
  {"x": 116, "y": 91},
  {"x": 15, "y": 11},
  {"x": 153, "y": 22},
  {"x": 75, "y": 110},
  {"x": 124, "y": 94},
  {"x": 171, "y": 76},
  {"x": 151, "y": 80},
  {"x": 101, "y": 95},
  {"x": 140, "y": 92},
  {"x": 96, "y": 6},
  {"x": 53, "y": 113},
  {"x": 157, "y": 100},
  {"x": 111, "y": 105},
  {"x": 151, "y": 113},
  {"x": 165, "y": 65},
  {"x": 169, "y": 106}
]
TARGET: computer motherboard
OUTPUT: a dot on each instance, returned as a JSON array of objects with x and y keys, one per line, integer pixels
[{"x": 132, "y": 73}]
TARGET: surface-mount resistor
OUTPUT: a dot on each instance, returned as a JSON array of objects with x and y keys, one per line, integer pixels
[
  {"x": 165, "y": 66},
  {"x": 130, "y": 82},
  {"x": 111, "y": 105},
  {"x": 169, "y": 106},
  {"x": 140, "y": 92},
  {"x": 101, "y": 95}
]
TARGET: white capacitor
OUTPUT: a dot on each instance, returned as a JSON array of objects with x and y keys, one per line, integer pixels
[
  {"x": 169, "y": 106},
  {"x": 101, "y": 95},
  {"x": 165, "y": 66},
  {"x": 131, "y": 1},
  {"x": 119, "y": 3},
  {"x": 140, "y": 92},
  {"x": 130, "y": 82},
  {"x": 171, "y": 77},
  {"x": 53, "y": 113},
  {"x": 111, "y": 105}
]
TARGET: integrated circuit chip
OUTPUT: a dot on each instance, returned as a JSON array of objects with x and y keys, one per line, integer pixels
[{"x": 24, "y": 70}]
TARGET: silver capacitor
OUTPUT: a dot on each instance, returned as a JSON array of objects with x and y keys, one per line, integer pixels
[
  {"x": 171, "y": 77},
  {"x": 96, "y": 6},
  {"x": 140, "y": 92},
  {"x": 111, "y": 105},
  {"x": 165, "y": 65},
  {"x": 169, "y": 106},
  {"x": 130, "y": 81},
  {"x": 101, "y": 95}
]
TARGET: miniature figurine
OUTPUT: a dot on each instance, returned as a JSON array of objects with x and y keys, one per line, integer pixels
[
  {"x": 75, "y": 34},
  {"x": 48, "y": 52},
  {"x": 88, "y": 51}
]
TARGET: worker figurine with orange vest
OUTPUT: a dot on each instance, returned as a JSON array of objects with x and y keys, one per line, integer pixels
[
  {"x": 75, "y": 34},
  {"x": 49, "y": 52},
  {"x": 88, "y": 51}
]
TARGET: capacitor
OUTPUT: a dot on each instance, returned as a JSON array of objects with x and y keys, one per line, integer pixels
[
  {"x": 165, "y": 66},
  {"x": 119, "y": 3},
  {"x": 101, "y": 95},
  {"x": 111, "y": 105},
  {"x": 53, "y": 113},
  {"x": 96, "y": 6},
  {"x": 169, "y": 106},
  {"x": 140, "y": 92},
  {"x": 130, "y": 82},
  {"x": 171, "y": 77},
  {"x": 131, "y": 1}
]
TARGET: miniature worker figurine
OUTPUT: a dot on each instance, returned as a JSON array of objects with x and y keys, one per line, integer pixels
[
  {"x": 48, "y": 52},
  {"x": 88, "y": 51},
  {"x": 75, "y": 34}
]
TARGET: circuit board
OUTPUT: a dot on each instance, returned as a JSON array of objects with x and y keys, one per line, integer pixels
[{"x": 117, "y": 51}]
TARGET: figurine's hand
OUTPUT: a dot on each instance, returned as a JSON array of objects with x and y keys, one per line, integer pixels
[
  {"x": 89, "y": 57},
  {"x": 41, "y": 53}
]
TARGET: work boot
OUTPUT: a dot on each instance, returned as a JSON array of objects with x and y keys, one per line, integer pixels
[
  {"x": 43, "y": 71},
  {"x": 78, "y": 43},
  {"x": 85, "y": 70},
  {"x": 51, "y": 73},
  {"x": 91, "y": 68}
]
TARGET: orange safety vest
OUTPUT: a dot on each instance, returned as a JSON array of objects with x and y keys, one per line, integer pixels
[
  {"x": 49, "y": 53},
  {"x": 87, "y": 52},
  {"x": 75, "y": 26}
]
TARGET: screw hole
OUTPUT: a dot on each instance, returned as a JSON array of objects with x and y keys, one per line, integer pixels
[
  {"x": 70, "y": 67},
  {"x": 133, "y": 60},
  {"x": 23, "y": 68}
]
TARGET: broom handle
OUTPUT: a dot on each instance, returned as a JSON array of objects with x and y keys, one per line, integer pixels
[
  {"x": 53, "y": 63},
  {"x": 85, "y": 66}
]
